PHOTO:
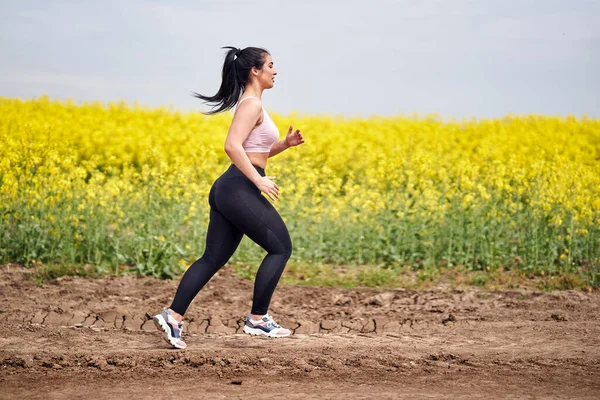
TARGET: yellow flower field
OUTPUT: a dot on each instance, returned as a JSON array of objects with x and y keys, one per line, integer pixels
[{"x": 113, "y": 185}]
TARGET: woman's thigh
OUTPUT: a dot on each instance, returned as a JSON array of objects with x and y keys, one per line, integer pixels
[
  {"x": 253, "y": 214},
  {"x": 222, "y": 239}
]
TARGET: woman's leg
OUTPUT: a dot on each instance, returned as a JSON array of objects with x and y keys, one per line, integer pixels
[
  {"x": 222, "y": 238},
  {"x": 279, "y": 247},
  {"x": 256, "y": 217}
]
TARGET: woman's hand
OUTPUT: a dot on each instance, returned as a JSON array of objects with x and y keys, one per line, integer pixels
[
  {"x": 293, "y": 138},
  {"x": 268, "y": 187}
]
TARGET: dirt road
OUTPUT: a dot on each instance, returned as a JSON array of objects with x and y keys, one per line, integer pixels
[{"x": 86, "y": 338}]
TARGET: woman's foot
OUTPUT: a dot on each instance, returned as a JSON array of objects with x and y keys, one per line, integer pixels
[
  {"x": 265, "y": 327},
  {"x": 171, "y": 329}
]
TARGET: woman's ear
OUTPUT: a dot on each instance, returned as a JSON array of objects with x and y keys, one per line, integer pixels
[{"x": 254, "y": 71}]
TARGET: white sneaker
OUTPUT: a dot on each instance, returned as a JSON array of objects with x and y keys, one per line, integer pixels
[
  {"x": 170, "y": 328},
  {"x": 265, "y": 327}
]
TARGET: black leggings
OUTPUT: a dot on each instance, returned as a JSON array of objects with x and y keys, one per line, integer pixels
[{"x": 237, "y": 208}]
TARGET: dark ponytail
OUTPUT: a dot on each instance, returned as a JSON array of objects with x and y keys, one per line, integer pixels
[{"x": 236, "y": 69}]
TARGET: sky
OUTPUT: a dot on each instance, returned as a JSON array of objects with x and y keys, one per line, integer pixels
[{"x": 453, "y": 58}]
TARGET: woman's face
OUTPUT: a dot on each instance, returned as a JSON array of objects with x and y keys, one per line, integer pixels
[{"x": 266, "y": 76}]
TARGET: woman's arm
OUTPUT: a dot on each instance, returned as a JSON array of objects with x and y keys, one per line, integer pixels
[
  {"x": 278, "y": 147},
  {"x": 291, "y": 139},
  {"x": 245, "y": 118}
]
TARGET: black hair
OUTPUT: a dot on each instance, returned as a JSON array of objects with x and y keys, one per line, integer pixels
[{"x": 236, "y": 70}]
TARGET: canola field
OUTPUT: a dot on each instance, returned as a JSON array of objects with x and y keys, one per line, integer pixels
[{"x": 117, "y": 185}]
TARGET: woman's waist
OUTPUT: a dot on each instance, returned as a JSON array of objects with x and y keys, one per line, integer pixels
[
  {"x": 234, "y": 171},
  {"x": 258, "y": 158}
]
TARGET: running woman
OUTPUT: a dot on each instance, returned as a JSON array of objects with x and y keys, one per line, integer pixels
[{"x": 237, "y": 207}]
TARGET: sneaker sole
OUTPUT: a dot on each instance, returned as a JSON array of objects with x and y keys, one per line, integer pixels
[
  {"x": 260, "y": 332},
  {"x": 161, "y": 325}
]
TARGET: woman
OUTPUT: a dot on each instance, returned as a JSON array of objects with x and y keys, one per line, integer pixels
[{"x": 237, "y": 207}]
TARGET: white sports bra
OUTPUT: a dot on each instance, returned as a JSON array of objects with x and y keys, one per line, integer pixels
[{"x": 263, "y": 136}]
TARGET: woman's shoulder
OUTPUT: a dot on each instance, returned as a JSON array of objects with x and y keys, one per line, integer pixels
[
  {"x": 255, "y": 100},
  {"x": 251, "y": 109}
]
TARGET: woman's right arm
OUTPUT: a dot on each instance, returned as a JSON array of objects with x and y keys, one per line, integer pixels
[{"x": 244, "y": 120}]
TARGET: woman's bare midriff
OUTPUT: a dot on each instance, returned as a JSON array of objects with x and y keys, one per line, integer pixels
[{"x": 258, "y": 159}]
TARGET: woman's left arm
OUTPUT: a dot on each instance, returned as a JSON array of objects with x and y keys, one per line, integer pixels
[{"x": 291, "y": 139}]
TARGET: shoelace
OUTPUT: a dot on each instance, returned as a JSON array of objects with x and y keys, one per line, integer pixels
[{"x": 272, "y": 322}]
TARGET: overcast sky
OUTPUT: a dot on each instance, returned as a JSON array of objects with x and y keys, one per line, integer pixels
[{"x": 457, "y": 58}]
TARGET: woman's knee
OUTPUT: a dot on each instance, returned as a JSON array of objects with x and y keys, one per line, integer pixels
[
  {"x": 283, "y": 244},
  {"x": 288, "y": 249}
]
